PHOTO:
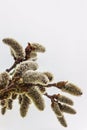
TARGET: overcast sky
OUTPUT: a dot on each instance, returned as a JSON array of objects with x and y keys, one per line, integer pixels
[{"x": 61, "y": 26}]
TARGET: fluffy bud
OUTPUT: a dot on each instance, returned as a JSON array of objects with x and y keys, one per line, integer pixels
[
  {"x": 24, "y": 105},
  {"x": 32, "y": 55},
  {"x": 37, "y": 47},
  {"x": 62, "y": 121},
  {"x": 49, "y": 75},
  {"x": 9, "y": 104},
  {"x": 14, "y": 96},
  {"x": 65, "y": 99},
  {"x": 3, "y": 110},
  {"x": 3, "y": 102},
  {"x": 36, "y": 97},
  {"x": 24, "y": 66},
  {"x": 4, "y": 80},
  {"x": 16, "y": 49},
  {"x": 71, "y": 89},
  {"x": 5, "y": 95},
  {"x": 55, "y": 107},
  {"x": 42, "y": 89},
  {"x": 20, "y": 99},
  {"x": 67, "y": 109},
  {"x": 35, "y": 78}
]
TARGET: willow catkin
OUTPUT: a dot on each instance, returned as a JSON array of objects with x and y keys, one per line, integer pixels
[
  {"x": 3, "y": 102},
  {"x": 49, "y": 75},
  {"x": 62, "y": 121},
  {"x": 55, "y": 107},
  {"x": 3, "y": 110},
  {"x": 4, "y": 79},
  {"x": 14, "y": 96},
  {"x": 24, "y": 66},
  {"x": 5, "y": 95},
  {"x": 71, "y": 89},
  {"x": 20, "y": 99},
  {"x": 42, "y": 89},
  {"x": 16, "y": 49},
  {"x": 67, "y": 109},
  {"x": 35, "y": 78},
  {"x": 37, "y": 47},
  {"x": 9, "y": 104},
  {"x": 36, "y": 97},
  {"x": 24, "y": 106},
  {"x": 64, "y": 99},
  {"x": 32, "y": 55}
]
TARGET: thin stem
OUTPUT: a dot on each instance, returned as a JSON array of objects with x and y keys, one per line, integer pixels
[
  {"x": 25, "y": 87},
  {"x": 14, "y": 64},
  {"x": 57, "y": 85},
  {"x": 51, "y": 97}
]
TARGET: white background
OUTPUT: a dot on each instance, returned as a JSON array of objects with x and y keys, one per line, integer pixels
[{"x": 61, "y": 26}]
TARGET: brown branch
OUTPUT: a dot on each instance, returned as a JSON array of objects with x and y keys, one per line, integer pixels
[
  {"x": 26, "y": 86},
  {"x": 51, "y": 97},
  {"x": 17, "y": 61},
  {"x": 57, "y": 85}
]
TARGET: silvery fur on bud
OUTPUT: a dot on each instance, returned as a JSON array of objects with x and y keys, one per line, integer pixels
[
  {"x": 35, "y": 77},
  {"x": 17, "y": 49},
  {"x": 20, "y": 99},
  {"x": 36, "y": 97},
  {"x": 37, "y": 47},
  {"x": 32, "y": 55},
  {"x": 65, "y": 99},
  {"x": 55, "y": 107},
  {"x": 9, "y": 104},
  {"x": 24, "y": 66},
  {"x": 3, "y": 110},
  {"x": 67, "y": 109},
  {"x": 4, "y": 79},
  {"x": 24, "y": 106},
  {"x": 49, "y": 75},
  {"x": 42, "y": 89},
  {"x": 62, "y": 121},
  {"x": 3, "y": 102},
  {"x": 14, "y": 96},
  {"x": 71, "y": 89}
]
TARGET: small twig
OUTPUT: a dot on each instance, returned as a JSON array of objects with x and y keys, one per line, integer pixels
[
  {"x": 13, "y": 66},
  {"x": 25, "y": 87},
  {"x": 57, "y": 85},
  {"x": 50, "y": 85},
  {"x": 11, "y": 85},
  {"x": 46, "y": 94},
  {"x": 51, "y": 97},
  {"x": 17, "y": 61}
]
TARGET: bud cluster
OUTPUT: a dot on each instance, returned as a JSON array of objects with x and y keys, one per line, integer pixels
[{"x": 23, "y": 82}]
